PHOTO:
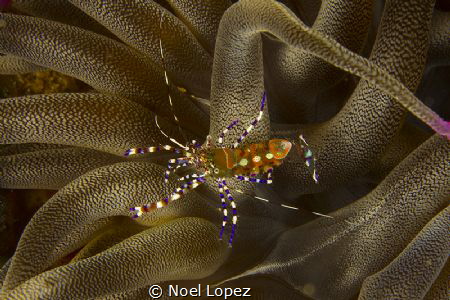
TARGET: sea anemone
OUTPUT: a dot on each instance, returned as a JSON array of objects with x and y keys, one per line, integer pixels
[{"x": 344, "y": 74}]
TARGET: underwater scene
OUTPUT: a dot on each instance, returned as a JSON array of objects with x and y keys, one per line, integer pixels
[{"x": 224, "y": 149}]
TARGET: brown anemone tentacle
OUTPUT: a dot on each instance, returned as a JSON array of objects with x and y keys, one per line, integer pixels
[
  {"x": 363, "y": 128},
  {"x": 135, "y": 23},
  {"x": 101, "y": 193},
  {"x": 106, "y": 123},
  {"x": 50, "y": 169},
  {"x": 10, "y": 64},
  {"x": 105, "y": 64},
  {"x": 409, "y": 197},
  {"x": 439, "y": 53},
  {"x": 204, "y": 22},
  {"x": 272, "y": 17},
  {"x": 13, "y": 149},
  {"x": 192, "y": 243},
  {"x": 391, "y": 282},
  {"x": 61, "y": 11},
  {"x": 296, "y": 77}
]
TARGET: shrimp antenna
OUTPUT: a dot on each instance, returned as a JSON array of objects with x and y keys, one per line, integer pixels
[
  {"x": 167, "y": 136},
  {"x": 166, "y": 79},
  {"x": 290, "y": 207}
]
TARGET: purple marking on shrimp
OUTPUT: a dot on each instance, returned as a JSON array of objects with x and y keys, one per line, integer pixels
[
  {"x": 263, "y": 101},
  {"x": 233, "y": 229}
]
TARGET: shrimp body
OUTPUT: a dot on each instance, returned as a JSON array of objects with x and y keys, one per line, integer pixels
[{"x": 250, "y": 160}]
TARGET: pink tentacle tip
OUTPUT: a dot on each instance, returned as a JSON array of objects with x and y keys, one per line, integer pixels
[{"x": 446, "y": 129}]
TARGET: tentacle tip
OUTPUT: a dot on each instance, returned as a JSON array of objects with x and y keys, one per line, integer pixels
[
  {"x": 442, "y": 127},
  {"x": 447, "y": 129}
]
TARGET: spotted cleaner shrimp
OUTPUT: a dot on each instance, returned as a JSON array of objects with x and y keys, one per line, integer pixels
[{"x": 252, "y": 162}]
